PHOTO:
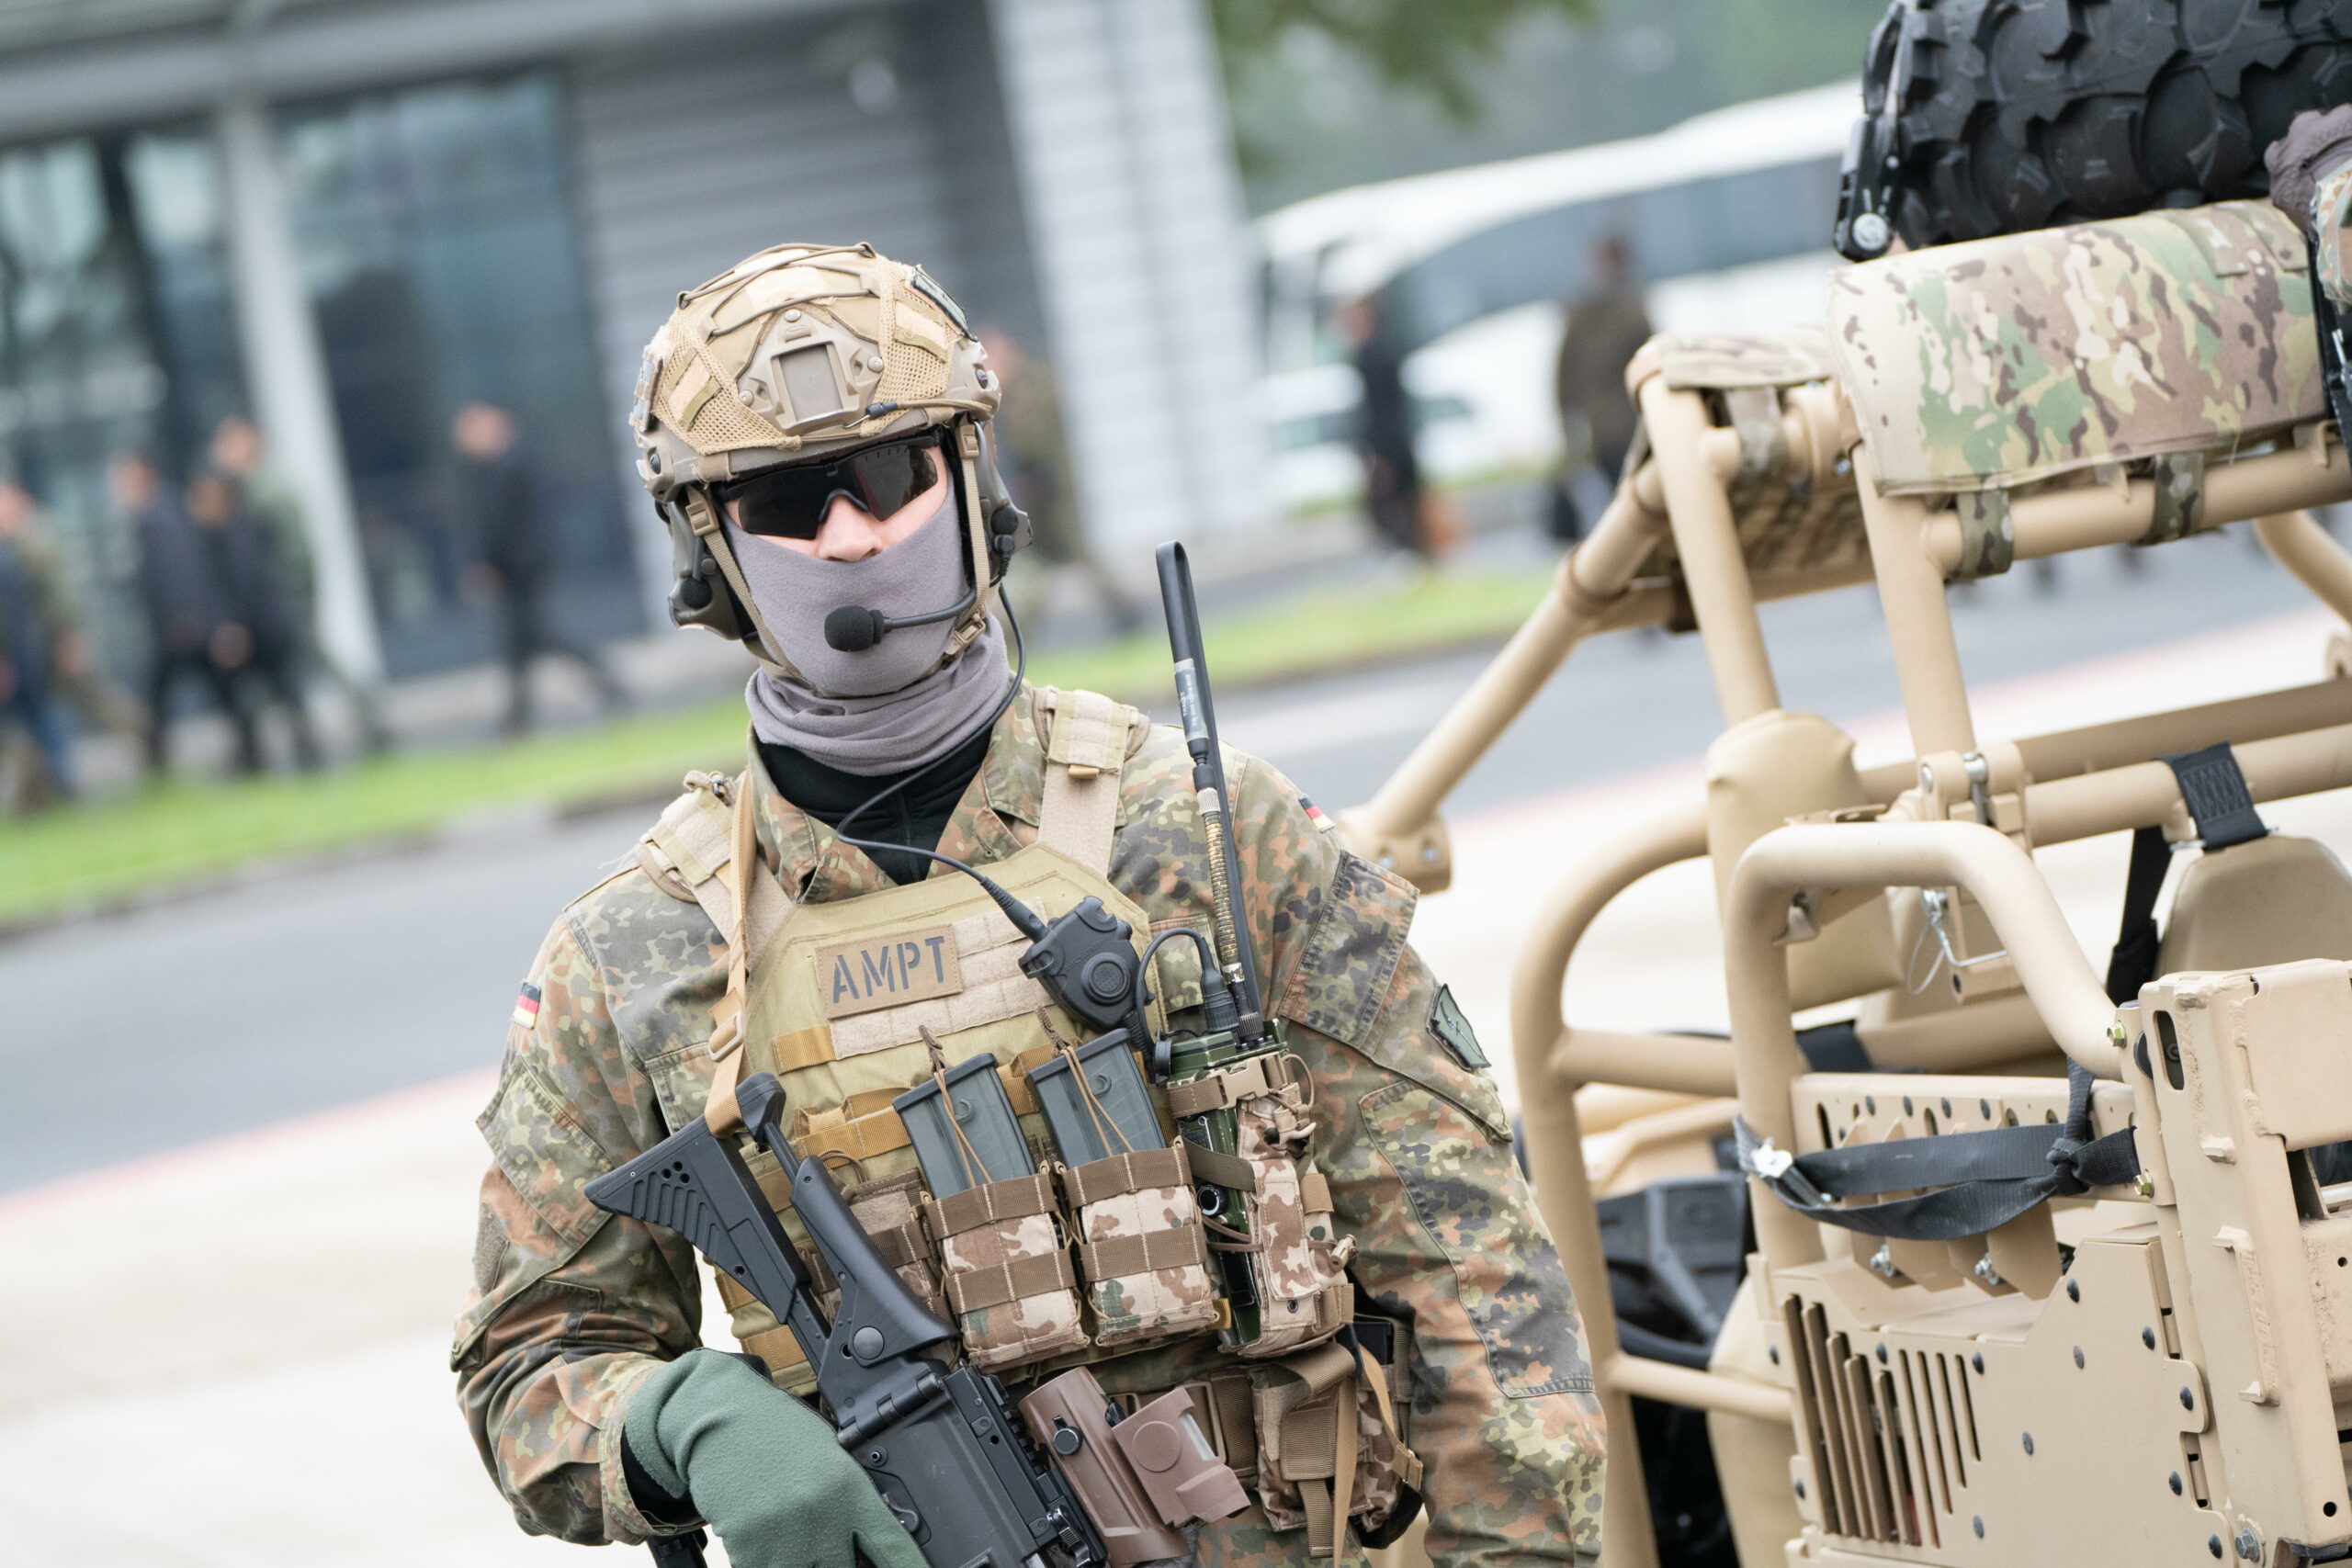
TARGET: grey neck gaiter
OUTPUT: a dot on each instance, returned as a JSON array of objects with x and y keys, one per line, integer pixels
[{"x": 889, "y": 710}]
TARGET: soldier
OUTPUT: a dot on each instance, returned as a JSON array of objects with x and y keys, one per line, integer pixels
[{"x": 814, "y": 428}]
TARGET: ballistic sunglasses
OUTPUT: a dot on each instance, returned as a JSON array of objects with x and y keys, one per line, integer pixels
[{"x": 791, "y": 503}]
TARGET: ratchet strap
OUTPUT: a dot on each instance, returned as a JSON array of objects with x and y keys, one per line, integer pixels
[
  {"x": 2213, "y": 788},
  {"x": 1983, "y": 1179}
]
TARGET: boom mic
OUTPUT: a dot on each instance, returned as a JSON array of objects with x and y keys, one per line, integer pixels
[{"x": 853, "y": 628}]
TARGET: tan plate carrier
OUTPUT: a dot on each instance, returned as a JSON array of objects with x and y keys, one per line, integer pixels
[{"x": 851, "y": 1002}]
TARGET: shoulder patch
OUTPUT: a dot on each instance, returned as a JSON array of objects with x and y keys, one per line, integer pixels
[
  {"x": 1448, "y": 1022},
  {"x": 526, "y": 1006}
]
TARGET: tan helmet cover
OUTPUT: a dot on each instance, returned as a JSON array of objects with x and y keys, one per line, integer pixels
[{"x": 799, "y": 353}]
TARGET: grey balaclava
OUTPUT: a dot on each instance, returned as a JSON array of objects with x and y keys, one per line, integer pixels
[{"x": 884, "y": 708}]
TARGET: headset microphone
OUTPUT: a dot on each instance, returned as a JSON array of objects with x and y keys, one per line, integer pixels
[{"x": 853, "y": 628}]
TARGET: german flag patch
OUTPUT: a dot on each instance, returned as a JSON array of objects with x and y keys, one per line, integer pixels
[
  {"x": 1315, "y": 813},
  {"x": 526, "y": 1006}
]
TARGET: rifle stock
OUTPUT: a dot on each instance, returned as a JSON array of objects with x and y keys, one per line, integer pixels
[{"x": 943, "y": 1447}]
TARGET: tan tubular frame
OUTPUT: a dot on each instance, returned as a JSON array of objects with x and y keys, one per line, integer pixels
[
  {"x": 1399, "y": 827},
  {"x": 1985, "y": 862},
  {"x": 1706, "y": 537},
  {"x": 1680, "y": 486}
]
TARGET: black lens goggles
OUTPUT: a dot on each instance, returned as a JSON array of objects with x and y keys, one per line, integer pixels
[{"x": 791, "y": 503}]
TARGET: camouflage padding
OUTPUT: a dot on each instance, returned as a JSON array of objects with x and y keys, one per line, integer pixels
[
  {"x": 1144, "y": 1250},
  {"x": 1723, "y": 362},
  {"x": 1008, "y": 1271},
  {"x": 2002, "y": 361},
  {"x": 2331, "y": 211},
  {"x": 1786, "y": 529},
  {"x": 573, "y": 1310}
]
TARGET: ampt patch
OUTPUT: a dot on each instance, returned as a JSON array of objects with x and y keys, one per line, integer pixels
[
  {"x": 526, "y": 1006},
  {"x": 887, "y": 971}
]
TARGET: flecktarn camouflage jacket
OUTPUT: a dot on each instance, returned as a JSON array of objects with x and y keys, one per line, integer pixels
[{"x": 573, "y": 1307}]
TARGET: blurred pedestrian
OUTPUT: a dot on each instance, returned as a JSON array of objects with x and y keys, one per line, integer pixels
[
  {"x": 255, "y": 642},
  {"x": 498, "y": 508},
  {"x": 1035, "y": 461},
  {"x": 1607, "y": 323},
  {"x": 1386, "y": 429},
  {"x": 36, "y": 632},
  {"x": 187, "y": 623},
  {"x": 240, "y": 457}
]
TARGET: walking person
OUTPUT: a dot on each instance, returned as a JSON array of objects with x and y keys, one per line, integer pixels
[
  {"x": 257, "y": 642},
  {"x": 240, "y": 457},
  {"x": 36, "y": 627},
  {"x": 1035, "y": 461},
  {"x": 1607, "y": 325},
  {"x": 498, "y": 511},
  {"x": 190, "y": 636},
  {"x": 1387, "y": 429}
]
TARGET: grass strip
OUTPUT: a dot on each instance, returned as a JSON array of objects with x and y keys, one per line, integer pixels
[{"x": 187, "y": 831}]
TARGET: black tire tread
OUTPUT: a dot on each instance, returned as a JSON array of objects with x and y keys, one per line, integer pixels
[{"x": 2022, "y": 114}]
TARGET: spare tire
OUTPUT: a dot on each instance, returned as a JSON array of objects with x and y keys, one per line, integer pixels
[{"x": 1990, "y": 117}]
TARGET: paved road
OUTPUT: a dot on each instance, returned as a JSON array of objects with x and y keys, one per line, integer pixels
[{"x": 126, "y": 1036}]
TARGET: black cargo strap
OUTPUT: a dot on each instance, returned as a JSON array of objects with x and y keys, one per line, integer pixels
[
  {"x": 2215, "y": 791},
  {"x": 1985, "y": 1179}
]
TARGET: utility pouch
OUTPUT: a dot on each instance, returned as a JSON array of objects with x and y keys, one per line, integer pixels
[
  {"x": 1142, "y": 1246},
  {"x": 891, "y": 1213},
  {"x": 1329, "y": 1457},
  {"x": 1072, "y": 1420},
  {"x": 1008, "y": 1273},
  {"x": 1297, "y": 1258}
]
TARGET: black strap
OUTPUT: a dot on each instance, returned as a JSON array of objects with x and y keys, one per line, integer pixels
[
  {"x": 1993, "y": 1175},
  {"x": 1835, "y": 1048},
  {"x": 2213, "y": 788},
  {"x": 678, "y": 1551},
  {"x": 2134, "y": 963}
]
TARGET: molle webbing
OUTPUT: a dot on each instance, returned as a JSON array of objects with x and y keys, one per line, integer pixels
[
  {"x": 1086, "y": 748},
  {"x": 1122, "y": 1255},
  {"x": 865, "y": 1125},
  {"x": 1121, "y": 1173}
]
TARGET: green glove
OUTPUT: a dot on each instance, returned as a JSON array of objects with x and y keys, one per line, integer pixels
[{"x": 762, "y": 1468}]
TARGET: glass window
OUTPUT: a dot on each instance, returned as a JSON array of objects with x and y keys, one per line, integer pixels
[
  {"x": 435, "y": 236},
  {"x": 116, "y": 333}
]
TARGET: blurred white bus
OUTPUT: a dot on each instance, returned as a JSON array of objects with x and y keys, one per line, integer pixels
[{"x": 1727, "y": 215}]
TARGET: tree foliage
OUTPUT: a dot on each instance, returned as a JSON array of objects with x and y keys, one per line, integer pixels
[{"x": 1427, "y": 48}]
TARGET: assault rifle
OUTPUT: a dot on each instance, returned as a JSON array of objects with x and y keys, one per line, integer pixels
[{"x": 986, "y": 1500}]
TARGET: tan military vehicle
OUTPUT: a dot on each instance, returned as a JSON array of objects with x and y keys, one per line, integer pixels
[{"x": 2035, "y": 1274}]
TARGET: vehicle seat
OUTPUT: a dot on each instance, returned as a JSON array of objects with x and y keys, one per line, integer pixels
[{"x": 2269, "y": 901}]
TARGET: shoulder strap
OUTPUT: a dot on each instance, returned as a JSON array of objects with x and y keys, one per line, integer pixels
[
  {"x": 689, "y": 853},
  {"x": 700, "y": 846},
  {"x": 1086, "y": 748}
]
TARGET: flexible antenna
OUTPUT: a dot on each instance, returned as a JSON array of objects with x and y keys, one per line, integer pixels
[{"x": 1198, "y": 713}]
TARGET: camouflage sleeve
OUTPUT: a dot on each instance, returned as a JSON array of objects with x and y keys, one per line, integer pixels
[
  {"x": 2331, "y": 209},
  {"x": 1413, "y": 1137},
  {"x": 573, "y": 1307}
]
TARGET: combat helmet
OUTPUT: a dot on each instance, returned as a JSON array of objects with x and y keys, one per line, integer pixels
[{"x": 805, "y": 352}]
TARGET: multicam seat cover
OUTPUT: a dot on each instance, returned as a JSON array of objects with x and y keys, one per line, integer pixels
[
  {"x": 1999, "y": 362},
  {"x": 1786, "y": 529}
]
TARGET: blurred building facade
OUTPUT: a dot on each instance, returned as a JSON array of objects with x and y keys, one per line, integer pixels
[{"x": 347, "y": 218}]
